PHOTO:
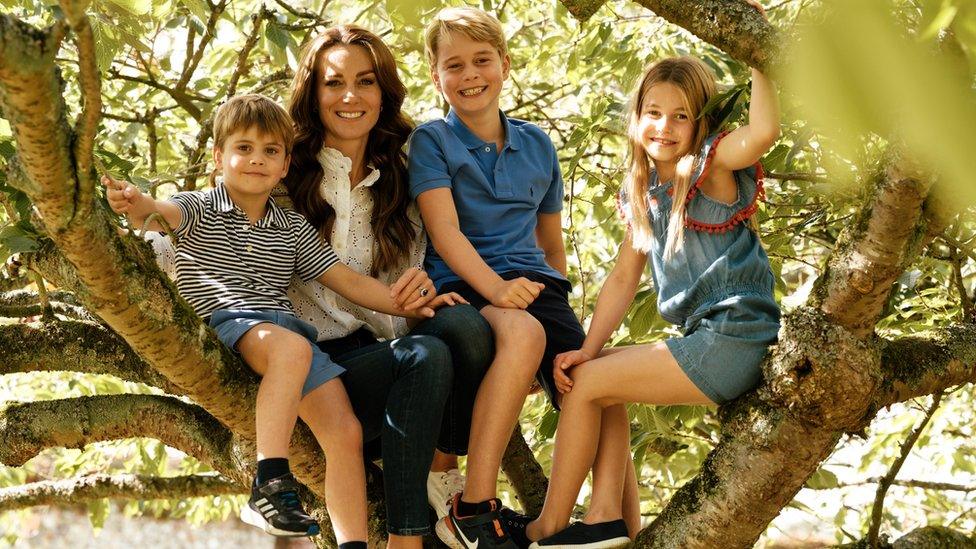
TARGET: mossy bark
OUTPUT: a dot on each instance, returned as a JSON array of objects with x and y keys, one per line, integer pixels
[
  {"x": 122, "y": 486},
  {"x": 74, "y": 346}
]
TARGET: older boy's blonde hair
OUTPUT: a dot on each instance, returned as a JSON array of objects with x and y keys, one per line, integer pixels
[
  {"x": 476, "y": 24},
  {"x": 253, "y": 111}
]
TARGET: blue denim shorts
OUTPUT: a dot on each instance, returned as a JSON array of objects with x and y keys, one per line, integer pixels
[
  {"x": 724, "y": 345},
  {"x": 232, "y": 324}
]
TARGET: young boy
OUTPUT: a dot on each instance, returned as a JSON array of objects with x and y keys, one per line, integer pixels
[
  {"x": 490, "y": 193},
  {"x": 235, "y": 255}
]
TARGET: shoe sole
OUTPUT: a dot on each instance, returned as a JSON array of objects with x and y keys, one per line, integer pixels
[
  {"x": 446, "y": 536},
  {"x": 252, "y": 517},
  {"x": 615, "y": 543}
]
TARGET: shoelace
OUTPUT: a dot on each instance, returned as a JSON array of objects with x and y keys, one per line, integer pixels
[{"x": 290, "y": 500}]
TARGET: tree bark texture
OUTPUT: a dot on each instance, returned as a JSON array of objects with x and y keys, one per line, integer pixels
[
  {"x": 30, "y": 427},
  {"x": 122, "y": 486},
  {"x": 733, "y": 26},
  {"x": 74, "y": 346}
]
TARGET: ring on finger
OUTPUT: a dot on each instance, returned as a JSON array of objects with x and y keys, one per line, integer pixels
[{"x": 424, "y": 292}]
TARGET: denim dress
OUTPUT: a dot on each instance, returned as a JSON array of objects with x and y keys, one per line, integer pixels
[{"x": 718, "y": 286}]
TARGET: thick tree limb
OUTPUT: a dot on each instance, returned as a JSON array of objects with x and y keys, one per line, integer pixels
[
  {"x": 91, "y": 96},
  {"x": 23, "y": 303},
  {"x": 74, "y": 346},
  {"x": 122, "y": 486},
  {"x": 733, "y": 26},
  {"x": 927, "y": 363},
  {"x": 934, "y": 537},
  {"x": 525, "y": 473},
  {"x": 28, "y": 428},
  {"x": 874, "y": 251}
]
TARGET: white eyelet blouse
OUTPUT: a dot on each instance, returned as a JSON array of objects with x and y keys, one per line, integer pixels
[{"x": 353, "y": 240}]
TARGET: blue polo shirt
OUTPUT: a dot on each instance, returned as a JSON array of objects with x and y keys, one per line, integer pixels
[{"x": 497, "y": 194}]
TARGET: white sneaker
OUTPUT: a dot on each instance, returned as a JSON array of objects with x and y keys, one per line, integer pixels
[{"x": 441, "y": 488}]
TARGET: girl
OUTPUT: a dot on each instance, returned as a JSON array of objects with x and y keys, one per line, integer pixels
[
  {"x": 349, "y": 178},
  {"x": 688, "y": 197}
]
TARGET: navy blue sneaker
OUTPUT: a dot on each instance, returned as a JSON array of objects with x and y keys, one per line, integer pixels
[
  {"x": 602, "y": 535},
  {"x": 275, "y": 508},
  {"x": 481, "y": 531},
  {"x": 515, "y": 523}
]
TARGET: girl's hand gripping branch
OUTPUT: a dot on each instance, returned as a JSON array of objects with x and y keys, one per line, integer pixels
[{"x": 561, "y": 365}]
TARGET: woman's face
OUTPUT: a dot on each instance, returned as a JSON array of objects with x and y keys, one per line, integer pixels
[{"x": 348, "y": 95}]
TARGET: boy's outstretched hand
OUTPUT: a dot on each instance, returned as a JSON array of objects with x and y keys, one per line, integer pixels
[
  {"x": 123, "y": 197},
  {"x": 562, "y": 363},
  {"x": 517, "y": 293}
]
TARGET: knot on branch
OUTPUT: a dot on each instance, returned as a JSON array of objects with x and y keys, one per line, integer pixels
[{"x": 820, "y": 372}]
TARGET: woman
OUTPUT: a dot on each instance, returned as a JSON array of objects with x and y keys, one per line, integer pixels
[
  {"x": 348, "y": 177},
  {"x": 412, "y": 388}
]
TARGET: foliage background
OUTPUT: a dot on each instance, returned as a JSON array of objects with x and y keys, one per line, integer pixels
[{"x": 860, "y": 79}]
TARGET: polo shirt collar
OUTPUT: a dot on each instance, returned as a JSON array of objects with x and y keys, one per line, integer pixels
[
  {"x": 223, "y": 204},
  {"x": 512, "y": 138}
]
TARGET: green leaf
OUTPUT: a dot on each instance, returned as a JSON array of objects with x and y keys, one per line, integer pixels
[
  {"x": 17, "y": 239},
  {"x": 822, "y": 479},
  {"x": 97, "y": 513},
  {"x": 135, "y": 7}
]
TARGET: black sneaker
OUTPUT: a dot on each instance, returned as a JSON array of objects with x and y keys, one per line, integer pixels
[
  {"x": 481, "y": 531},
  {"x": 275, "y": 508},
  {"x": 514, "y": 523},
  {"x": 602, "y": 535}
]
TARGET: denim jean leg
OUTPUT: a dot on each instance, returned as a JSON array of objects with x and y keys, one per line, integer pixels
[
  {"x": 398, "y": 389},
  {"x": 422, "y": 366},
  {"x": 469, "y": 338}
]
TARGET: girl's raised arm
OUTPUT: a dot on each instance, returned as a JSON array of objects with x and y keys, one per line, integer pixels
[{"x": 746, "y": 145}]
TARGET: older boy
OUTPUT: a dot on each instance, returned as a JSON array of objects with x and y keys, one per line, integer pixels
[{"x": 490, "y": 193}]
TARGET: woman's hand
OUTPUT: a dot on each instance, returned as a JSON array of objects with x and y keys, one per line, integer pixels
[
  {"x": 412, "y": 290},
  {"x": 562, "y": 363},
  {"x": 757, "y": 5}
]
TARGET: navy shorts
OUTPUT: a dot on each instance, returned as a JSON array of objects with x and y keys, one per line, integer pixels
[
  {"x": 232, "y": 324},
  {"x": 551, "y": 309},
  {"x": 725, "y": 343}
]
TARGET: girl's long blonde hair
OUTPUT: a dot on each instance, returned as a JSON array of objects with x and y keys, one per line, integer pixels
[{"x": 697, "y": 83}]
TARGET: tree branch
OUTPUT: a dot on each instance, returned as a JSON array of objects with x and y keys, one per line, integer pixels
[
  {"x": 28, "y": 428},
  {"x": 926, "y": 363},
  {"x": 889, "y": 477},
  {"x": 733, "y": 26},
  {"x": 215, "y": 11},
  {"x": 91, "y": 96},
  {"x": 934, "y": 536},
  {"x": 525, "y": 473},
  {"x": 874, "y": 250},
  {"x": 74, "y": 346},
  {"x": 122, "y": 486},
  {"x": 242, "y": 58}
]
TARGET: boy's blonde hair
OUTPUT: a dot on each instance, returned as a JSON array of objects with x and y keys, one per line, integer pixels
[
  {"x": 476, "y": 24},
  {"x": 697, "y": 84},
  {"x": 253, "y": 111}
]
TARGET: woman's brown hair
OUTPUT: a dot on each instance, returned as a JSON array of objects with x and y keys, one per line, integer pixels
[{"x": 391, "y": 226}]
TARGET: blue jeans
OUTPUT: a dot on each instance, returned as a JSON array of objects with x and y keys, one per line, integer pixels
[{"x": 412, "y": 393}]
